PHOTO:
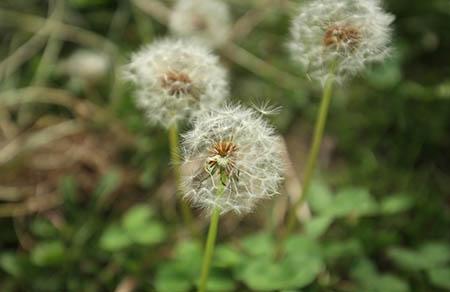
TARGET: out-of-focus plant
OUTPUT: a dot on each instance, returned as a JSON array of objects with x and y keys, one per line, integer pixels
[{"x": 378, "y": 212}]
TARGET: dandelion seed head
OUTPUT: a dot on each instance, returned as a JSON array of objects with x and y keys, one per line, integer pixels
[
  {"x": 232, "y": 148},
  {"x": 176, "y": 79},
  {"x": 206, "y": 20},
  {"x": 88, "y": 65},
  {"x": 339, "y": 35}
]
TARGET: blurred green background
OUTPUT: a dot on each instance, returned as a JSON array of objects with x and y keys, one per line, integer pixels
[{"x": 87, "y": 198}]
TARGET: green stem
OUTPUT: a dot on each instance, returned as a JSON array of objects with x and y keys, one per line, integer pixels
[
  {"x": 176, "y": 162},
  {"x": 313, "y": 154},
  {"x": 210, "y": 243}
]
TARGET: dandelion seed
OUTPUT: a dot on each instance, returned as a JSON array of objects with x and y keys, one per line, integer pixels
[
  {"x": 265, "y": 108},
  {"x": 340, "y": 36},
  {"x": 176, "y": 79},
  {"x": 205, "y": 20},
  {"x": 234, "y": 149}
]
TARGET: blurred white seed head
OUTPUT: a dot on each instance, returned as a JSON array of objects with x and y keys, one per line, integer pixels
[
  {"x": 205, "y": 20},
  {"x": 341, "y": 34},
  {"x": 88, "y": 65},
  {"x": 232, "y": 148},
  {"x": 176, "y": 79}
]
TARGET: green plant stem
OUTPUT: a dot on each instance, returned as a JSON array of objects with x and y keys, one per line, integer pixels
[
  {"x": 210, "y": 243},
  {"x": 176, "y": 162},
  {"x": 313, "y": 154}
]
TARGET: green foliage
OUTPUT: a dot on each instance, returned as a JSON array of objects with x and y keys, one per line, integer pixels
[
  {"x": 440, "y": 277},
  {"x": 101, "y": 211},
  {"x": 49, "y": 253},
  {"x": 428, "y": 256},
  {"x": 370, "y": 280},
  {"x": 262, "y": 270},
  {"x": 182, "y": 272},
  {"x": 138, "y": 226}
]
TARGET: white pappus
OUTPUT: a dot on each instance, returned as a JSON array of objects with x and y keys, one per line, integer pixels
[
  {"x": 176, "y": 79},
  {"x": 208, "y": 21},
  {"x": 339, "y": 37},
  {"x": 232, "y": 159}
]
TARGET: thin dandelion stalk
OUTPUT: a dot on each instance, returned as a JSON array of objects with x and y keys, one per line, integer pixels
[
  {"x": 210, "y": 244},
  {"x": 186, "y": 212},
  {"x": 313, "y": 153}
]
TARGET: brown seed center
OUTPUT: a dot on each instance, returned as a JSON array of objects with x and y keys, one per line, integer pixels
[
  {"x": 224, "y": 149},
  {"x": 222, "y": 160},
  {"x": 177, "y": 83},
  {"x": 342, "y": 37}
]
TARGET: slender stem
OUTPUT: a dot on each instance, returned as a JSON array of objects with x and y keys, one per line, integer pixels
[
  {"x": 313, "y": 154},
  {"x": 210, "y": 243},
  {"x": 176, "y": 162}
]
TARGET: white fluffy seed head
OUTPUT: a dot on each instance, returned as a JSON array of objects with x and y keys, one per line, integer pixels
[
  {"x": 176, "y": 79},
  {"x": 88, "y": 65},
  {"x": 234, "y": 150},
  {"x": 205, "y": 20},
  {"x": 340, "y": 36}
]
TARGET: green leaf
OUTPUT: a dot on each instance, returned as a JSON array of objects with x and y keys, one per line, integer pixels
[
  {"x": 189, "y": 250},
  {"x": 170, "y": 278},
  {"x": 430, "y": 255},
  {"x": 137, "y": 217},
  {"x": 138, "y": 224},
  {"x": 219, "y": 283},
  {"x": 264, "y": 274},
  {"x": 108, "y": 184},
  {"x": 11, "y": 264},
  {"x": 226, "y": 257},
  {"x": 48, "y": 253},
  {"x": 258, "y": 244},
  {"x": 320, "y": 197},
  {"x": 384, "y": 283},
  {"x": 407, "y": 258},
  {"x": 181, "y": 273},
  {"x": 435, "y": 253},
  {"x": 370, "y": 280},
  {"x": 114, "y": 238},
  {"x": 148, "y": 234},
  {"x": 317, "y": 226},
  {"x": 363, "y": 271},
  {"x": 396, "y": 204},
  {"x": 440, "y": 277},
  {"x": 43, "y": 228},
  {"x": 302, "y": 245},
  {"x": 352, "y": 202},
  {"x": 343, "y": 248},
  {"x": 299, "y": 266}
]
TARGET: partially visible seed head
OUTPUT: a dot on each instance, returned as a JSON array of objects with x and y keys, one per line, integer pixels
[
  {"x": 233, "y": 149},
  {"x": 89, "y": 66},
  {"x": 343, "y": 35},
  {"x": 204, "y": 20},
  {"x": 176, "y": 79}
]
